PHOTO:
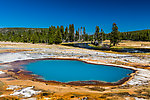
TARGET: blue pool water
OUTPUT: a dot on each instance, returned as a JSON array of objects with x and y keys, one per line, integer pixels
[{"x": 67, "y": 70}]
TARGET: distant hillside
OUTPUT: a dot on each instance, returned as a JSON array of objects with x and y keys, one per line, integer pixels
[
  {"x": 140, "y": 35},
  {"x": 6, "y": 30},
  {"x": 31, "y": 35},
  {"x": 137, "y": 31}
]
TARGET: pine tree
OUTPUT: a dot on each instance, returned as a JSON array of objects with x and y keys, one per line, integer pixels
[
  {"x": 96, "y": 33},
  {"x": 86, "y": 37},
  {"x": 62, "y": 32},
  {"x": 50, "y": 35},
  {"x": 115, "y": 38},
  {"x": 71, "y": 32},
  {"x": 103, "y": 35},
  {"x": 77, "y": 36},
  {"x": 1, "y": 37},
  {"x": 100, "y": 37},
  {"x": 58, "y": 37},
  {"x": 66, "y": 37},
  {"x": 81, "y": 37},
  {"x": 84, "y": 33}
]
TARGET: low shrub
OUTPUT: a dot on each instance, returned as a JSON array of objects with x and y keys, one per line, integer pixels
[{"x": 96, "y": 89}]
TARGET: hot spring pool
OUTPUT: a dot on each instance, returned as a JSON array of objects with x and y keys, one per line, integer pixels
[{"x": 68, "y": 70}]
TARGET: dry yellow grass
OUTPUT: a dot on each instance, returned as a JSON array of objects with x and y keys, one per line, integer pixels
[{"x": 131, "y": 44}]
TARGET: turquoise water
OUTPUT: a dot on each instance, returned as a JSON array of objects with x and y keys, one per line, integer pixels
[{"x": 67, "y": 70}]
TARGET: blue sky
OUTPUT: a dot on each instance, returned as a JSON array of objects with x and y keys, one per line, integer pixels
[{"x": 128, "y": 14}]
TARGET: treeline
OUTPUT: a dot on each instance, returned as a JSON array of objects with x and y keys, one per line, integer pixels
[
  {"x": 52, "y": 35},
  {"x": 143, "y": 35},
  {"x": 56, "y": 35}
]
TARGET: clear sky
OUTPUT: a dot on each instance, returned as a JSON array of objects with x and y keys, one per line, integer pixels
[{"x": 129, "y": 15}]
